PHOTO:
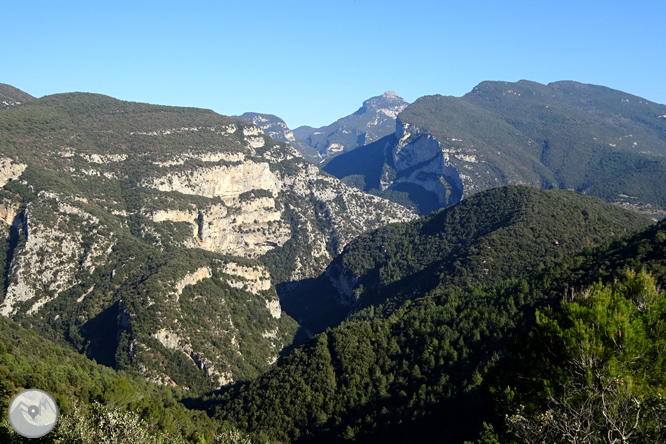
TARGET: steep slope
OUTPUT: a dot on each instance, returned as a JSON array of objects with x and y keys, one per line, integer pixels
[
  {"x": 418, "y": 374},
  {"x": 149, "y": 236},
  {"x": 10, "y": 96},
  {"x": 488, "y": 237},
  {"x": 563, "y": 135},
  {"x": 374, "y": 120}
]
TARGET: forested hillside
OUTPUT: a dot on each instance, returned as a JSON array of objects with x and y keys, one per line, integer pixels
[
  {"x": 421, "y": 372},
  {"x": 493, "y": 235},
  {"x": 173, "y": 275}
]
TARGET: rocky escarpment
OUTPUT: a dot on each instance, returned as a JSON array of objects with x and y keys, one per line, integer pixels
[
  {"x": 420, "y": 159},
  {"x": 151, "y": 237},
  {"x": 449, "y": 167},
  {"x": 52, "y": 256},
  {"x": 257, "y": 199},
  {"x": 10, "y": 170}
]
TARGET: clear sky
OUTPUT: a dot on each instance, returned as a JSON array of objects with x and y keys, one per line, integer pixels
[{"x": 311, "y": 62}]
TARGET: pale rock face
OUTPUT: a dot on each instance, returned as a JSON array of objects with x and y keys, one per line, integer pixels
[
  {"x": 218, "y": 181},
  {"x": 9, "y": 102},
  {"x": 10, "y": 170},
  {"x": 191, "y": 279},
  {"x": 252, "y": 131},
  {"x": 244, "y": 228},
  {"x": 274, "y": 307},
  {"x": 413, "y": 148},
  {"x": 8, "y": 211},
  {"x": 48, "y": 262},
  {"x": 167, "y": 338},
  {"x": 254, "y": 279},
  {"x": 335, "y": 148},
  {"x": 256, "y": 142},
  {"x": 434, "y": 171},
  {"x": 171, "y": 216},
  {"x": 55, "y": 273}
]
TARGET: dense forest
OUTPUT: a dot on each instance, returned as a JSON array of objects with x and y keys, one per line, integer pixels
[
  {"x": 491, "y": 236},
  {"x": 438, "y": 366}
]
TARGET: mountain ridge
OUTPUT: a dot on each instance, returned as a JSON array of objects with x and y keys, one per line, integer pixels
[
  {"x": 372, "y": 121},
  {"x": 563, "y": 135}
]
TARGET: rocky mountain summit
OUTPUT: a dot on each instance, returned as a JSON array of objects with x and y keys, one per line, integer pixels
[
  {"x": 372, "y": 121},
  {"x": 165, "y": 228}
]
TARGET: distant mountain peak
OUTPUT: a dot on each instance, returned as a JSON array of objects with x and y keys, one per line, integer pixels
[
  {"x": 389, "y": 100},
  {"x": 373, "y": 120}
]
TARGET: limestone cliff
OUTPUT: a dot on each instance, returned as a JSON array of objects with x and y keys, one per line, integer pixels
[
  {"x": 421, "y": 159},
  {"x": 151, "y": 237},
  {"x": 10, "y": 170}
]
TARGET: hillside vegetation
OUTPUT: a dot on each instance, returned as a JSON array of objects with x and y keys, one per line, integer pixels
[
  {"x": 175, "y": 276},
  {"x": 427, "y": 369},
  {"x": 493, "y": 235},
  {"x": 150, "y": 237}
]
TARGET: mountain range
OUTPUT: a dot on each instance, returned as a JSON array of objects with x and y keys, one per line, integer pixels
[
  {"x": 565, "y": 135},
  {"x": 372, "y": 121},
  {"x": 192, "y": 278}
]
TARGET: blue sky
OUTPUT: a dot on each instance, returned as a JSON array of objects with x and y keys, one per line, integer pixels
[{"x": 311, "y": 62}]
